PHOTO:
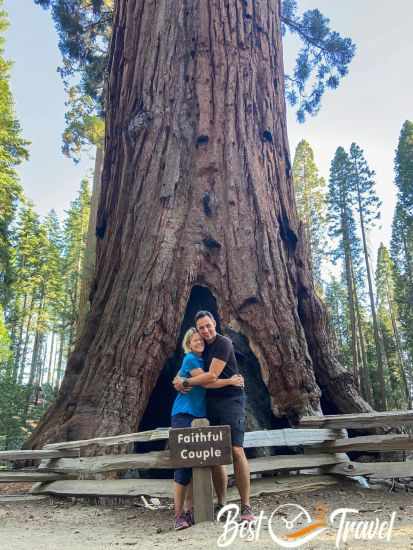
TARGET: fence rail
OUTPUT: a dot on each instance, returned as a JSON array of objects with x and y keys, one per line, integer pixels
[{"x": 324, "y": 440}]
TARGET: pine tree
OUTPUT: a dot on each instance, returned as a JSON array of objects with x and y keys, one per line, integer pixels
[
  {"x": 341, "y": 226},
  {"x": 54, "y": 292},
  {"x": 323, "y": 59},
  {"x": 403, "y": 165},
  {"x": 402, "y": 236},
  {"x": 337, "y": 303},
  {"x": 26, "y": 267},
  {"x": 368, "y": 205},
  {"x": 399, "y": 365},
  {"x": 13, "y": 150},
  {"x": 12, "y": 432},
  {"x": 5, "y": 342},
  {"x": 311, "y": 204},
  {"x": 75, "y": 234}
]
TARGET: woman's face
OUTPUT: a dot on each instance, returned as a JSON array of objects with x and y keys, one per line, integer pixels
[{"x": 196, "y": 343}]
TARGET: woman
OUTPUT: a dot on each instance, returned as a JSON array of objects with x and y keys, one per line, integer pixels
[{"x": 186, "y": 407}]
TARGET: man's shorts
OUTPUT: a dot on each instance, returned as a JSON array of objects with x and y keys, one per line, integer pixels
[{"x": 228, "y": 410}]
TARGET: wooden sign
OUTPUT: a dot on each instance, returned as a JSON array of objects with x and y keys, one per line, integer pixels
[{"x": 198, "y": 447}]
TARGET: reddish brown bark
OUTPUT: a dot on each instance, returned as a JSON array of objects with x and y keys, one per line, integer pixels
[{"x": 196, "y": 190}]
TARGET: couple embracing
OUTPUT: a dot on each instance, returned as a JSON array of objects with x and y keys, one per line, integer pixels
[{"x": 210, "y": 386}]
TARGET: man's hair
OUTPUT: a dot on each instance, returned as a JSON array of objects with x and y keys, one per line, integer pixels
[{"x": 203, "y": 313}]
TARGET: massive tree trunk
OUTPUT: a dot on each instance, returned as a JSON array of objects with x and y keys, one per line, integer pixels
[{"x": 196, "y": 193}]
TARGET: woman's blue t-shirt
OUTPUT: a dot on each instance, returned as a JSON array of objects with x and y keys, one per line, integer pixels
[{"x": 192, "y": 402}]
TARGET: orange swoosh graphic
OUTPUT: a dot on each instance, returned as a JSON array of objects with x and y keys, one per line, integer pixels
[{"x": 308, "y": 529}]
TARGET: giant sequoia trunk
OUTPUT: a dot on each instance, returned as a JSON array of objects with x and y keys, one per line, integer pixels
[{"x": 196, "y": 205}]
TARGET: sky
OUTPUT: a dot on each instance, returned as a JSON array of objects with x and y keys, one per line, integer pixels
[
  {"x": 49, "y": 179},
  {"x": 369, "y": 107}
]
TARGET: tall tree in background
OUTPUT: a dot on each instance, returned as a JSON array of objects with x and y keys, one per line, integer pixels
[
  {"x": 41, "y": 315},
  {"x": 368, "y": 207},
  {"x": 342, "y": 228},
  {"x": 400, "y": 369},
  {"x": 75, "y": 234},
  {"x": 20, "y": 322},
  {"x": 196, "y": 183},
  {"x": 11, "y": 396},
  {"x": 311, "y": 204},
  {"x": 338, "y": 307},
  {"x": 32, "y": 271},
  {"x": 402, "y": 235},
  {"x": 13, "y": 150},
  {"x": 27, "y": 268},
  {"x": 57, "y": 298},
  {"x": 84, "y": 29},
  {"x": 403, "y": 164}
]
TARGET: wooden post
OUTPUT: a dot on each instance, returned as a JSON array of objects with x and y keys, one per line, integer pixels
[{"x": 203, "y": 495}]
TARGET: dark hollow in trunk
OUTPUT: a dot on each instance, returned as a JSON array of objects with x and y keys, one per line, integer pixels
[
  {"x": 158, "y": 410},
  {"x": 157, "y": 414}
]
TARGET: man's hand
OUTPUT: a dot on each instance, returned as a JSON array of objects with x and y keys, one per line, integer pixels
[
  {"x": 177, "y": 384},
  {"x": 237, "y": 380}
]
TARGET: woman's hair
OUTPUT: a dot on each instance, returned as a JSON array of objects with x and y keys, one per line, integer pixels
[{"x": 187, "y": 339}]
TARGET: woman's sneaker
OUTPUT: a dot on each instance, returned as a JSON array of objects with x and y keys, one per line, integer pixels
[
  {"x": 247, "y": 514},
  {"x": 181, "y": 522}
]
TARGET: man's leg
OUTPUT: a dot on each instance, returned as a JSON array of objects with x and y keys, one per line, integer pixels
[
  {"x": 220, "y": 481},
  {"x": 242, "y": 474},
  {"x": 219, "y": 473}
]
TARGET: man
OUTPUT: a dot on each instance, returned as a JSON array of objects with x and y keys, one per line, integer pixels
[{"x": 224, "y": 406}]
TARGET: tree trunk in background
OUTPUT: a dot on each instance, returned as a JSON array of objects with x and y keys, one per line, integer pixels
[
  {"x": 365, "y": 378},
  {"x": 90, "y": 252},
  {"x": 37, "y": 342},
  {"x": 60, "y": 360},
  {"x": 405, "y": 371},
  {"x": 26, "y": 341},
  {"x": 196, "y": 190},
  {"x": 16, "y": 362},
  {"x": 49, "y": 378},
  {"x": 350, "y": 297},
  {"x": 377, "y": 337}
]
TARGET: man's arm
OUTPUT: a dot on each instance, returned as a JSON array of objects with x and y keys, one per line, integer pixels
[
  {"x": 215, "y": 369},
  {"x": 236, "y": 380}
]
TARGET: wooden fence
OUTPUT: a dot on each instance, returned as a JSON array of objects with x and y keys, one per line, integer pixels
[{"x": 322, "y": 441}]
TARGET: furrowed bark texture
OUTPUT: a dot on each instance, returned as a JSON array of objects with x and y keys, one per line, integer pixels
[{"x": 196, "y": 190}]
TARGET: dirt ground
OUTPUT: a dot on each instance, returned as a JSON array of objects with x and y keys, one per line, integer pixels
[{"x": 70, "y": 524}]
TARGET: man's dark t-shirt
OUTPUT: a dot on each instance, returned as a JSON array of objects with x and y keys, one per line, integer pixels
[{"x": 222, "y": 348}]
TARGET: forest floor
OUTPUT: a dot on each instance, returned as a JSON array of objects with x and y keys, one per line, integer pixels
[{"x": 72, "y": 524}]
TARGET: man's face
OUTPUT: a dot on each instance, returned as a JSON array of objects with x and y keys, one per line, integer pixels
[{"x": 206, "y": 328}]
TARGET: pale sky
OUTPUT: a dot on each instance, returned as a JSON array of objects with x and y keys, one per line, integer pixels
[{"x": 369, "y": 107}]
